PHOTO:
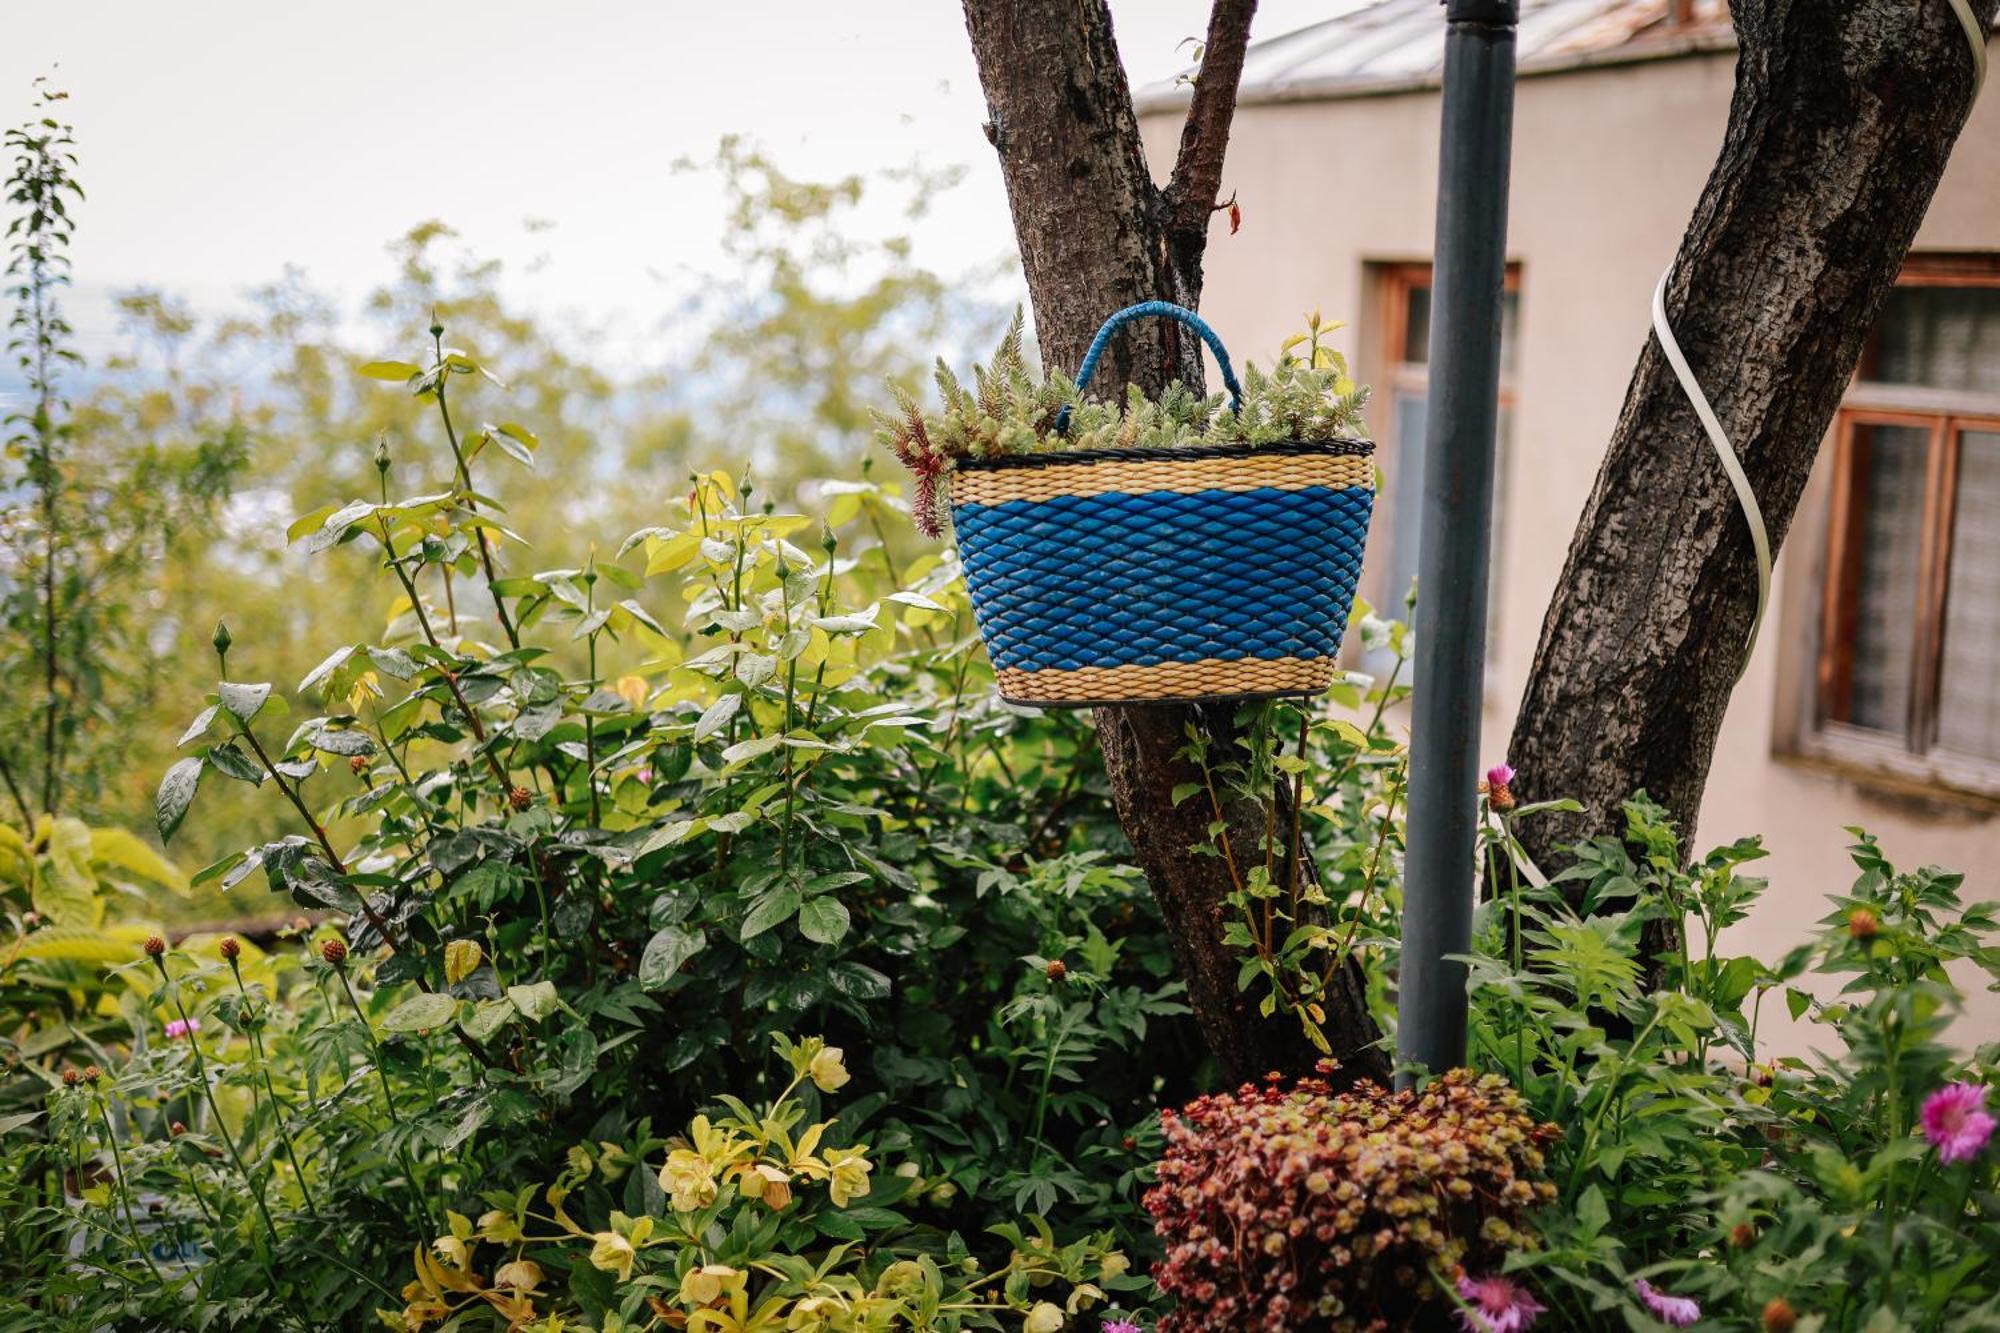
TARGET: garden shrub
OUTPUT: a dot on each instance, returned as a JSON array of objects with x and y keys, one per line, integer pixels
[{"x": 1301, "y": 1207}]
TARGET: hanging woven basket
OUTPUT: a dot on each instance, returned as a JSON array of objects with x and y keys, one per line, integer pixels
[{"x": 1122, "y": 576}]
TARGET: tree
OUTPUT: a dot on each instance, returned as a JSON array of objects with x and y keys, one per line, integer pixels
[
  {"x": 1096, "y": 234},
  {"x": 1843, "y": 117}
]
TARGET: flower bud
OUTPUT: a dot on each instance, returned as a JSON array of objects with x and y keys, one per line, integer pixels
[
  {"x": 1742, "y": 1236},
  {"x": 382, "y": 452},
  {"x": 1863, "y": 924},
  {"x": 155, "y": 946},
  {"x": 519, "y": 798},
  {"x": 334, "y": 951},
  {"x": 230, "y": 948},
  {"x": 71, "y": 1078},
  {"x": 1779, "y": 1316},
  {"x": 1058, "y": 971},
  {"x": 91, "y": 1073},
  {"x": 357, "y": 764},
  {"x": 221, "y": 638},
  {"x": 176, "y": 1129}
]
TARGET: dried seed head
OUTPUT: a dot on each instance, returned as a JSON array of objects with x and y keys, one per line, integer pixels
[
  {"x": 1058, "y": 971},
  {"x": 1863, "y": 924},
  {"x": 520, "y": 798},
  {"x": 334, "y": 950},
  {"x": 71, "y": 1078},
  {"x": 230, "y": 948},
  {"x": 155, "y": 946},
  {"x": 91, "y": 1073}
]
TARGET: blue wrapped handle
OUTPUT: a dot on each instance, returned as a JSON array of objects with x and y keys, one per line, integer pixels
[{"x": 1144, "y": 310}]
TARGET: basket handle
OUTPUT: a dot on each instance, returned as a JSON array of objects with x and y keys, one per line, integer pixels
[{"x": 1143, "y": 310}]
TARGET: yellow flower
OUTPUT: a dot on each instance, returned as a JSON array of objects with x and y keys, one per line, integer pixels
[
  {"x": 709, "y": 1283},
  {"x": 452, "y": 1250},
  {"x": 850, "y": 1168},
  {"x": 632, "y": 689},
  {"x": 520, "y": 1275},
  {"x": 461, "y": 959},
  {"x": 499, "y": 1225},
  {"x": 768, "y": 1183},
  {"x": 689, "y": 1180},
  {"x": 1044, "y": 1318},
  {"x": 613, "y": 1253},
  {"x": 828, "y": 1069}
]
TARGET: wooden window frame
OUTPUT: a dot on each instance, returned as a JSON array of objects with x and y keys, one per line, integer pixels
[{"x": 1916, "y": 757}]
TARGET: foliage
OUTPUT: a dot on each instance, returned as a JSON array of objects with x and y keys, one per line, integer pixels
[
  {"x": 83, "y": 527},
  {"x": 757, "y": 1219},
  {"x": 1011, "y": 410},
  {"x": 1299, "y": 1207},
  {"x": 1690, "y": 1161},
  {"x": 569, "y": 895}
]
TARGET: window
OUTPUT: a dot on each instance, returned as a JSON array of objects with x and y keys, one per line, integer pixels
[
  {"x": 1401, "y": 383},
  {"x": 1910, "y": 608}
]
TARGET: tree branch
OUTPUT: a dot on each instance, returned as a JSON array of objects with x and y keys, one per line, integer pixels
[{"x": 1196, "y": 184}]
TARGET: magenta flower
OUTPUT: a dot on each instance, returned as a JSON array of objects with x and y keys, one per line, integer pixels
[
  {"x": 1956, "y": 1122},
  {"x": 181, "y": 1027},
  {"x": 1500, "y": 775},
  {"x": 1499, "y": 1305},
  {"x": 1676, "y": 1310},
  {"x": 1119, "y": 1326}
]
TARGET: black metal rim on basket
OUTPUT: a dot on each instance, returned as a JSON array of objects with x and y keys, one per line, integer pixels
[{"x": 1062, "y": 458}]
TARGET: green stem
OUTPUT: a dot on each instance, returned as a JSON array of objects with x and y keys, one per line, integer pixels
[
  {"x": 278, "y": 1107},
  {"x": 125, "y": 1192},
  {"x": 388, "y": 1098},
  {"x": 222, "y": 1126}
]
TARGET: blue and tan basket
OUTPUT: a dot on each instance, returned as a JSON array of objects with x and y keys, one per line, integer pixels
[{"x": 1156, "y": 575}]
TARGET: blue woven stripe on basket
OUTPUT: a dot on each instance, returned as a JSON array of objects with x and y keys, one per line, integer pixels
[{"x": 1136, "y": 580}]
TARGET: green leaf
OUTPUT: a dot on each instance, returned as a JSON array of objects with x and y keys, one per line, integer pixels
[
  {"x": 670, "y": 947},
  {"x": 823, "y": 920},
  {"x": 772, "y": 909},
  {"x": 426, "y": 1009},
  {"x": 176, "y": 794},
  {"x": 537, "y": 1000},
  {"x": 243, "y": 702},
  {"x": 716, "y": 715},
  {"x": 396, "y": 372},
  {"x": 198, "y": 726},
  {"x": 231, "y": 762}
]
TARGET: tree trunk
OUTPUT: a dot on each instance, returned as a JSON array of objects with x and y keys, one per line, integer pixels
[
  {"x": 1844, "y": 114},
  {"x": 1096, "y": 234}
]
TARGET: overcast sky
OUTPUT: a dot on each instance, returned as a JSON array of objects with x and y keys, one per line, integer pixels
[{"x": 224, "y": 139}]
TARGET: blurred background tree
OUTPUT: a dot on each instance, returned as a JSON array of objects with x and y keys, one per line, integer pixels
[{"x": 180, "y": 450}]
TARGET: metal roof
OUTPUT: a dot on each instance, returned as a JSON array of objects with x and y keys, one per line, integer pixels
[{"x": 1396, "y": 45}]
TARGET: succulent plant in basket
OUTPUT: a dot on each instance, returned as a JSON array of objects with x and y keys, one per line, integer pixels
[
  {"x": 1149, "y": 548},
  {"x": 1308, "y": 395}
]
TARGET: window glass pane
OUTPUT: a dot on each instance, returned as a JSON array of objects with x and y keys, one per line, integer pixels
[
  {"x": 1968, "y": 699},
  {"x": 1940, "y": 337},
  {"x": 1890, "y": 536},
  {"x": 1417, "y": 326}
]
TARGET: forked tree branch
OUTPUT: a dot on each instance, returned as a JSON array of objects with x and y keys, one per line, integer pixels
[{"x": 1196, "y": 184}]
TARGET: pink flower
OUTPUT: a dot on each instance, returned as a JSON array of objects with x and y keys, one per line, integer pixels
[
  {"x": 1956, "y": 1123},
  {"x": 181, "y": 1027},
  {"x": 1676, "y": 1310},
  {"x": 1500, "y": 775},
  {"x": 1119, "y": 1326},
  {"x": 1499, "y": 1305}
]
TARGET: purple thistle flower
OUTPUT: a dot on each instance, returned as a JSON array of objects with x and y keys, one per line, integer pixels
[
  {"x": 1499, "y": 1305},
  {"x": 1500, "y": 775},
  {"x": 1678, "y": 1311},
  {"x": 181, "y": 1027},
  {"x": 1956, "y": 1121},
  {"x": 1119, "y": 1326}
]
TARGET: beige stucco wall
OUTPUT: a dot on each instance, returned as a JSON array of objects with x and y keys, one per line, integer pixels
[{"x": 1607, "y": 166}]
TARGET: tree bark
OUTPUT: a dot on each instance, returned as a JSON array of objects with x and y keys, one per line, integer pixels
[
  {"x": 1843, "y": 116},
  {"x": 1096, "y": 234}
]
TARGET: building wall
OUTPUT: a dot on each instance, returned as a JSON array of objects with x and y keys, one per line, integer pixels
[{"x": 1608, "y": 164}]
